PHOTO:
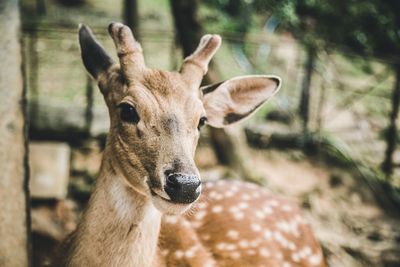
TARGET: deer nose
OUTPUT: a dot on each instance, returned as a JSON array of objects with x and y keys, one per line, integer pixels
[{"x": 182, "y": 188}]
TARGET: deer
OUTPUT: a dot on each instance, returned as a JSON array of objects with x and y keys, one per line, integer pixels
[{"x": 149, "y": 207}]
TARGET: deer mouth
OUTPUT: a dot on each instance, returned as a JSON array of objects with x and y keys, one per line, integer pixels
[
  {"x": 160, "y": 194},
  {"x": 165, "y": 205}
]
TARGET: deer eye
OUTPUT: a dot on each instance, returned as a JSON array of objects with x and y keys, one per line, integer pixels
[
  {"x": 202, "y": 121},
  {"x": 128, "y": 113}
]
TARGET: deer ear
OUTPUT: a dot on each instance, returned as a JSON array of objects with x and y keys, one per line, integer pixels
[
  {"x": 237, "y": 98},
  {"x": 95, "y": 58}
]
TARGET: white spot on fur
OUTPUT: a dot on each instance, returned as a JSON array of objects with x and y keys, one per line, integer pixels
[
  {"x": 243, "y": 244},
  {"x": 179, "y": 254},
  {"x": 290, "y": 228},
  {"x": 185, "y": 223},
  {"x": 267, "y": 210},
  {"x": 292, "y": 246},
  {"x": 230, "y": 247},
  {"x": 234, "y": 209},
  {"x": 255, "y": 227},
  {"x": 267, "y": 234},
  {"x": 306, "y": 251},
  {"x": 209, "y": 263},
  {"x": 234, "y": 188},
  {"x": 221, "y": 246},
  {"x": 200, "y": 215},
  {"x": 315, "y": 259},
  {"x": 219, "y": 197},
  {"x": 212, "y": 194},
  {"x": 286, "y": 208},
  {"x": 273, "y": 203},
  {"x": 246, "y": 197},
  {"x": 254, "y": 243},
  {"x": 251, "y": 252},
  {"x": 238, "y": 216},
  {"x": 191, "y": 252},
  {"x": 217, "y": 209},
  {"x": 233, "y": 234},
  {"x": 264, "y": 252},
  {"x": 283, "y": 226},
  {"x": 298, "y": 219},
  {"x": 295, "y": 257},
  {"x": 280, "y": 239},
  {"x": 229, "y": 194},
  {"x": 202, "y": 205},
  {"x": 260, "y": 214},
  {"x": 243, "y": 205}
]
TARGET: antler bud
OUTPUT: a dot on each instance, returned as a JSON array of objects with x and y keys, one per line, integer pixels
[
  {"x": 129, "y": 50},
  {"x": 195, "y": 66}
]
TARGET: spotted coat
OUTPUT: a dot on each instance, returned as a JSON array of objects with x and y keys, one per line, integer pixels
[{"x": 239, "y": 224}]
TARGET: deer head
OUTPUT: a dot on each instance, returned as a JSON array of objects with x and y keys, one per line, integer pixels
[{"x": 156, "y": 115}]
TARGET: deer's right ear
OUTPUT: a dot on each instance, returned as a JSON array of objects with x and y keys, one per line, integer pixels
[
  {"x": 235, "y": 99},
  {"x": 95, "y": 58}
]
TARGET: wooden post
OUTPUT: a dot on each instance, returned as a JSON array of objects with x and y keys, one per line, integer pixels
[
  {"x": 14, "y": 207},
  {"x": 391, "y": 133},
  {"x": 305, "y": 89}
]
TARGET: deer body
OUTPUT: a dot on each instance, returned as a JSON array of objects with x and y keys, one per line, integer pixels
[
  {"x": 239, "y": 224},
  {"x": 146, "y": 209}
]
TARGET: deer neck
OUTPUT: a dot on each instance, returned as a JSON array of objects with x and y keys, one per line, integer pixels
[{"x": 120, "y": 226}]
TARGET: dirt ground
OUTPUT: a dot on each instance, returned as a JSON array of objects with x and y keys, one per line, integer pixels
[{"x": 353, "y": 229}]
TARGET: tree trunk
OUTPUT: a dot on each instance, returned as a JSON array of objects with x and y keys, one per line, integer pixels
[
  {"x": 391, "y": 133},
  {"x": 40, "y": 7},
  {"x": 304, "y": 111},
  {"x": 131, "y": 16},
  {"x": 188, "y": 28},
  {"x": 230, "y": 149},
  {"x": 14, "y": 206}
]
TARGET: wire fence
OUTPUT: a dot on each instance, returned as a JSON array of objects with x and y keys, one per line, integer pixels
[{"x": 350, "y": 97}]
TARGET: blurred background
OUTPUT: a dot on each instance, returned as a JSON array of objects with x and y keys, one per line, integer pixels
[{"x": 328, "y": 140}]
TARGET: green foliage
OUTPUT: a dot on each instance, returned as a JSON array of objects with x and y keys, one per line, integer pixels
[
  {"x": 369, "y": 27},
  {"x": 235, "y": 15}
]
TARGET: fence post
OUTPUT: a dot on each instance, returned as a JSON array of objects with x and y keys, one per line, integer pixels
[
  {"x": 391, "y": 133},
  {"x": 131, "y": 16},
  {"x": 305, "y": 89},
  {"x": 14, "y": 205}
]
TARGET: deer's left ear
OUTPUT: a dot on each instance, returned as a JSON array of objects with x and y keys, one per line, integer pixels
[
  {"x": 95, "y": 58},
  {"x": 237, "y": 98}
]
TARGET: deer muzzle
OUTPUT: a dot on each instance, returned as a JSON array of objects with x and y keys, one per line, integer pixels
[{"x": 182, "y": 188}]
